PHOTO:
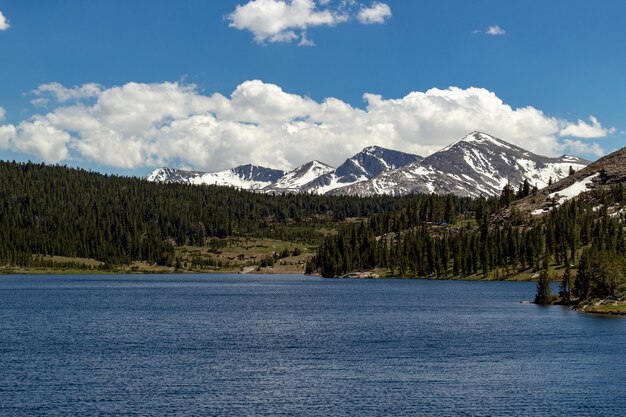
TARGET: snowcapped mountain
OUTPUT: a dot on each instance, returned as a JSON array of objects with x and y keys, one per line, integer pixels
[
  {"x": 171, "y": 175},
  {"x": 478, "y": 164},
  {"x": 294, "y": 181},
  {"x": 363, "y": 166},
  {"x": 247, "y": 177}
]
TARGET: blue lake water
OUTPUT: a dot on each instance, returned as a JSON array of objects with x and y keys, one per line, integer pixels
[{"x": 231, "y": 345}]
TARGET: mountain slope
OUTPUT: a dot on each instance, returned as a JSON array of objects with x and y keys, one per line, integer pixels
[
  {"x": 295, "y": 180},
  {"x": 606, "y": 171},
  {"x": 478, "y": 164},
  {"x": 246, "y": 177},
  {"x": 363, "y": 166}
]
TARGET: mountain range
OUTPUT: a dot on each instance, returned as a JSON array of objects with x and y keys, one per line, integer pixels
[{"x": 476, "y": 165}]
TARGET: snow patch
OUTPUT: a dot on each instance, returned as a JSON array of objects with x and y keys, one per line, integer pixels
[
  {"x": 573, "y": 190},
  {"x": 294, "y": 180}
]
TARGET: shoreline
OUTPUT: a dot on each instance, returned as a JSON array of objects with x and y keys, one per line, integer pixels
[
  {"x": 614, "y": 308},
  {"x": 243, "y": 271},
  {"x": 603, "y": 307}
]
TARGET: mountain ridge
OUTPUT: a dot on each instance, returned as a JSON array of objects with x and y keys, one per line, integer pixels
[{"x": 476, "y": 165}]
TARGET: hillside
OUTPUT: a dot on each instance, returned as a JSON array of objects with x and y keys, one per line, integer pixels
[
  {"x": 85, "y": 217},
  {"x": 600, "y": 175}
]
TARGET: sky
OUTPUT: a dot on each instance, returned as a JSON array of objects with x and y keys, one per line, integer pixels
[{"x": 127, "y": 86}]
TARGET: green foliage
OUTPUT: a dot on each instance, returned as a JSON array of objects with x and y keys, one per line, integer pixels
[
  {"x": 544, "y": 291},
  {"x": 565, "y": 289},
  {"x": 601, "y": 274},
  {"x": 266, "y": 261}
]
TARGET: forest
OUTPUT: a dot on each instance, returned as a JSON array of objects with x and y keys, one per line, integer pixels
[
  {"x": 55, "y": 210},
  {"x": 579, "y": 234}
]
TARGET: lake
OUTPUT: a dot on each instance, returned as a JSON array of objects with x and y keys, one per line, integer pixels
[{"x": 237, "y": 345}]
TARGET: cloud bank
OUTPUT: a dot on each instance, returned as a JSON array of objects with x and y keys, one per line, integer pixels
[
  {"x": 288, "y": 20},
  {"x": 148, "y": 125}
]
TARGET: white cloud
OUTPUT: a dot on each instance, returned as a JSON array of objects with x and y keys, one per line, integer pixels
[
  {"x": 495, "y": 30},
  {"x": 585, "y": 130},
  {"x": 7, "y": 134},
  {"x": 4, "y": 23},
  {"x": 577, "y": 147},
  {"x": 2, "y": 113},
  {"x": 62, "y": 93},
  {"x": 147, "y": 125},
  {"x": 43, "y": 140},
  {"x": 288, "y": 20},
  {"x": 278, "y": 20},
  {"x": 376, "y": 13},
  {"x": 40, "y": 102}
]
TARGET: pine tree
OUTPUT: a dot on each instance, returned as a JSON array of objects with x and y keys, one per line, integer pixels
[
  {"x": 544, "y": 290},
  {"x": 565, "y": 289}
]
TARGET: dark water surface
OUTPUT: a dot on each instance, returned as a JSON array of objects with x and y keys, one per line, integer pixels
[{"x": 279, "y": 345}]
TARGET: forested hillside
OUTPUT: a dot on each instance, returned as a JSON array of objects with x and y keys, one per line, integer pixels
[
  {"x": 52, "y": 210},
  {"x": 586, "y": 233}
]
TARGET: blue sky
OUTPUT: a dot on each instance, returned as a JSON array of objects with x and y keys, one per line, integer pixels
[{"x": 564, "y": 59}]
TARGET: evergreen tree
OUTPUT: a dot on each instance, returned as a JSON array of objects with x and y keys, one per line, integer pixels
[
  {"x": 565, "y": 289},
  {"x": 544, "y": 290}
]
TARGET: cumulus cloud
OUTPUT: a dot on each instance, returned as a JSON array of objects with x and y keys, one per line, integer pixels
[
  {"x": 7, "y": 134},
  {"x": 585, "y": 130},
  {"x": 376, "y": 13},
  {"x": 288, "y": 20},
  {"x": 148, "y": 125},
  {"x": 4, "y": 23},
  {"x": 578, "y": 147},
  {"x": 42, "y": 139},
  {"x": 2, "y": 113}
]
